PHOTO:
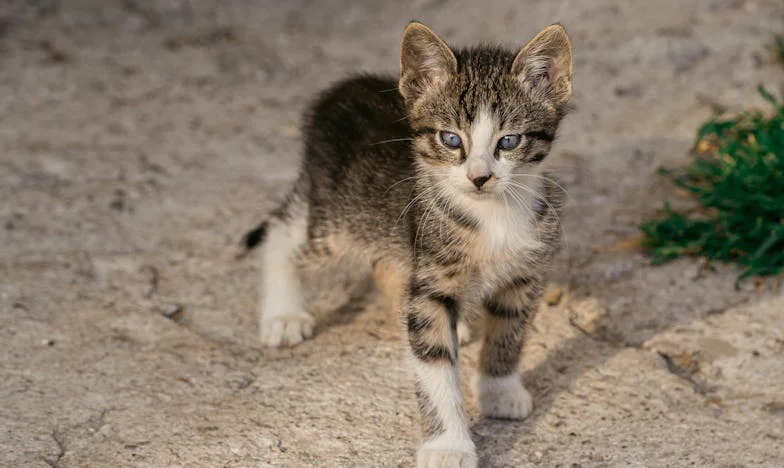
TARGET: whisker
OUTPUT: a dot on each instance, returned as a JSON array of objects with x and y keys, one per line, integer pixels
[
  {"x": 549, "y": 179},
  {"x": 506, "y": 203},
  {"x": 391, "y": 141},
  {"x": 549, "y": 205},
  {"x": 423, "y": 220},
  {"x": 521, "y": 201},
  {"x": 398, "y": 182},
  {"x": 411, "y": 203}
]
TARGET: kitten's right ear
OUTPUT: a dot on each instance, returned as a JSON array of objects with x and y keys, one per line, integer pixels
[
  {"x": 545, "y": 64},
  {"x": 425, "y": 61}
]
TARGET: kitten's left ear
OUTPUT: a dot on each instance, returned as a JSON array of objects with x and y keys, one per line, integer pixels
[
  {"x": 426, "y": 61},
  {"x": 545, "y": 64}
]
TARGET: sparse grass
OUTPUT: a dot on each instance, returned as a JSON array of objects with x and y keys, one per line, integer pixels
[
  {"x": 737, "y": 180},
  {"x": 778, "y": 48}
]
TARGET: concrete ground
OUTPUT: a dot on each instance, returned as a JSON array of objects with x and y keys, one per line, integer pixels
[{"x": 140, "y": 139}]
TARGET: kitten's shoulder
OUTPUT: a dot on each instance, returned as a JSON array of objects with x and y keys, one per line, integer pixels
[
  {"x": 359, "y": 92},
  {"x": 357, "y": 108}
]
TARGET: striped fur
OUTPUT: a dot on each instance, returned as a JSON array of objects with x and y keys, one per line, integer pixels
[{"x": 378, "y": 183}]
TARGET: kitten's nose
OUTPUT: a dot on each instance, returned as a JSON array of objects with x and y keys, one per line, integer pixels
[{"x": 480, "y": 181}]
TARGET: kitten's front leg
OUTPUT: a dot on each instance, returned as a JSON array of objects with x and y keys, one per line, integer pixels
[
  {"x": 499, "y": 390},
  {"x": 432, "y": 333}
]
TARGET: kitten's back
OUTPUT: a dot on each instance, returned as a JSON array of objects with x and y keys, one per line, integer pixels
[
  {"x": 354, "y": 120},
  {"x": 358, "y": 160}
]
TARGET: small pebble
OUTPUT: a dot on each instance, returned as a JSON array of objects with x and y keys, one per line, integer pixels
[
  {"x": 173, "y": 312},
  {"x": 553, "y": 296}
]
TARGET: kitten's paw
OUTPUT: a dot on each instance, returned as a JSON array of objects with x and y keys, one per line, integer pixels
[
  {"x": 447, "y": 450},
  {"x": 503, "y": 397},
  {"x": 286, "y": 330},
  {"x": 433, "y": 458},
  {"x": 463, "y": 333}
]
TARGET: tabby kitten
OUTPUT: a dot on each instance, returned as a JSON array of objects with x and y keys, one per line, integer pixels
[{"x": 433, "y": 179}]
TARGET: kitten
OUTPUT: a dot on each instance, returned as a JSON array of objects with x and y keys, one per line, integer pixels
[{"x": 434, "y": 180}]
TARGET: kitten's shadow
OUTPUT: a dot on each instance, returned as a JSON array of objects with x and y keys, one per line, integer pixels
[
  {"x": 652, "y": 300},
  {"x": 496, "y": 439},
  {"x": 340, "y": 300}
]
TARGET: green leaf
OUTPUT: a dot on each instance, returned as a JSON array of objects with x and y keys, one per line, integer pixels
[{"x": 737, "y": 181}]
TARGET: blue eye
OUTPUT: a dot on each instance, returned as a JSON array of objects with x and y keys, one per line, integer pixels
[
  {"x": 509, "y": 142},
  {"x": 450, "y": 140}
]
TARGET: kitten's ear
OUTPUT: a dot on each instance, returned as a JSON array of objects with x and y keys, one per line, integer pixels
[
  {"x": 425, "y": 61},
  {"x": 545, "y": 64}
]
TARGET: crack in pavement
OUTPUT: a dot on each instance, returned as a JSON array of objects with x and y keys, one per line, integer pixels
[
  {"x": 685, "y": 373},
  {"x": 54, "y": 460}
]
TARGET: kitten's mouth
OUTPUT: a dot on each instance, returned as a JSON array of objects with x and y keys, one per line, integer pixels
[{"x": 481, "y": 192}]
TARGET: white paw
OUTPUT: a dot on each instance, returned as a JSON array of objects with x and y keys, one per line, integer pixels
[
  {"x": 463, "y": 333},
  {"x": 448, "y": 450},
  {"x": 434, "y": 458},
  {"x": 503, "y": 397},
  {"x": 286, "y": 330}
]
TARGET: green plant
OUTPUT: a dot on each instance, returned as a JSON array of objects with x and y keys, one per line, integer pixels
[
  {"x": 778, "y": 48},
  {"x": 737, "y": 180}
]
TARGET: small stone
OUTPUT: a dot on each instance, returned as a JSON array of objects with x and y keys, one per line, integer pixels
[
  {"x": 687, "y": 362},
  {"x": 553, "y": 296},
  {"x": 775, "y": 407},
  {"x": 173, "y": 312},
  {"x": 585, "y": 314},
  {"x": 239, "y": 382},
  {"x": 632, "y": 91},
  {"x": 716, "y": 348}
]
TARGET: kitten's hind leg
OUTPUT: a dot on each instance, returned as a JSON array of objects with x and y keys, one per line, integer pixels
[
  {"x": 391, "y": 278},
  {"x": 283, "y": 316}
]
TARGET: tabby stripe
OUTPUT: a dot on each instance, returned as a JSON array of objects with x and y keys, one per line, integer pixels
[
  {"x": 540, "y": 135},
  {"x": 449, "y": 303},
  {"x": 430, "y": 353},
  {"x": 540, "y": 209},
  {"x": 497, "y": 310},
  {"x": 416, "y": 324},
  {"x": 424, "y": 131},
  {"x": 455, "y": 215},
  {"x": 519, "y": 282},
  {"x": 418, "y": 288},
  {"x": 539, "y": 157},
  {"x": 447, "y": 260},
  {"x": 443, "y": 257},
  {"x": 433, "y": 424}
]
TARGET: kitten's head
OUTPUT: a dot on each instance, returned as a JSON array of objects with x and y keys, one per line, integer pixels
[{"x": 484, "y": 117}]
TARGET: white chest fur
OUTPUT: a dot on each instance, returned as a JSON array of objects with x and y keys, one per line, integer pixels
[{"x": 507, "y": 226}]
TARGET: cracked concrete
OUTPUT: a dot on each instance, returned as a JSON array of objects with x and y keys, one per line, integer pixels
[
  {"x": 139, "y": 140},
  {"x": 54, "y": 460}
]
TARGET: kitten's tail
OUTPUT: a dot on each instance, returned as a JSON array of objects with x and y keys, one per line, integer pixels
[{"x": 255, "y": 236}]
